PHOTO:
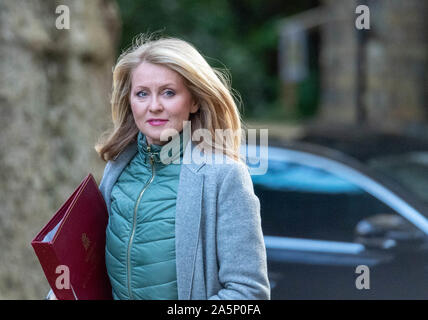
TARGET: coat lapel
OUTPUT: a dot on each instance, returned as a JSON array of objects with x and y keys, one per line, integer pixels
[
  {"x": 115, "y": 169},
  {"x": 187, "y": 225},
  {"x": 187, "y": 220}
]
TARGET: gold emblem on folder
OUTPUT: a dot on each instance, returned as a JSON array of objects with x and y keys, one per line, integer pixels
[{"x": 85, "y": 241}]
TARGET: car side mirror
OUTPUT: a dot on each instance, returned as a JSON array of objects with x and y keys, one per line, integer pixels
[{"x": 387, "y": 231}]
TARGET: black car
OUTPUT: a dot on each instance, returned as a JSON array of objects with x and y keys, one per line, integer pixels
[{"x": 345, "y": 218}]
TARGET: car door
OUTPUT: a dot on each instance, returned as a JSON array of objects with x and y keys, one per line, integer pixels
[{"x": 310, "y": 207}]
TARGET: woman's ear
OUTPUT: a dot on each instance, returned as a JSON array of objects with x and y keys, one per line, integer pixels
[{"x": 195, "y": 107}]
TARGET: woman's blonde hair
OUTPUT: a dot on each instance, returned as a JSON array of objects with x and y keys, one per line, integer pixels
[{"x": 210, "y": 88}]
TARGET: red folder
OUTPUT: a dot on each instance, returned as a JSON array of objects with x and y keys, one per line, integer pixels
[{"x": 71, "y": 247}]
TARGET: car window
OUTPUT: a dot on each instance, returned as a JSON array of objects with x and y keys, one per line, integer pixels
[
  {"x": 409, "y": 170},
  {"x": 308, "y": 202}
]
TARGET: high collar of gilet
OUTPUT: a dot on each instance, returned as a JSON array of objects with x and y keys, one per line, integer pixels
[{"x": 161, "y": 154}]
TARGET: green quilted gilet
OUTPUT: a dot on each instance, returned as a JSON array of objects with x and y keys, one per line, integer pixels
[{"x": 140, "y": 235}]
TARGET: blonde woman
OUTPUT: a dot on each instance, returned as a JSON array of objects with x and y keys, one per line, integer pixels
[{"x": 181, "y": 226}]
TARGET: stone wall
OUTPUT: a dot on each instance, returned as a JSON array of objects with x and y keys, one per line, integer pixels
[
  {"x": 397, "y": 52},
  {"x": 54, "y": 102},
  {"x": 397, "y": 63}
]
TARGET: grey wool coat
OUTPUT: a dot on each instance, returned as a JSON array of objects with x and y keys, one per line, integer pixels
[{"x": 220, "y": 251}]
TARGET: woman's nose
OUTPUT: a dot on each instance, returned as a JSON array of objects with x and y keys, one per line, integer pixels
[{"x": 155, "y": 104}]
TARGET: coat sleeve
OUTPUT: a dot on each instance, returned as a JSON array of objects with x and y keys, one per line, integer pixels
[{"x": 241, "y": 251}]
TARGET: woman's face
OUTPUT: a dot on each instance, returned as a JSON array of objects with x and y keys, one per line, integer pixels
[{"x": 159, "y": 100}]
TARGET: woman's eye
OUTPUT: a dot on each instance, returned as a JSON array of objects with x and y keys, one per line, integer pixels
[
  {"x": 141, "y": 94},
  {"x": 169, "y": 93}
]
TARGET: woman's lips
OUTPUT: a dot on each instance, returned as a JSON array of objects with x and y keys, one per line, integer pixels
[{"x": 157, "y": 122}]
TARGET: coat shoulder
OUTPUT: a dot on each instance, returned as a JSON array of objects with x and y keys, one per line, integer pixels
[{"x": 221, "y": 169}]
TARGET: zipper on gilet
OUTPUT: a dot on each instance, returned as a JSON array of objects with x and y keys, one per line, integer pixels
[{"x": 131, "y": 238}]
